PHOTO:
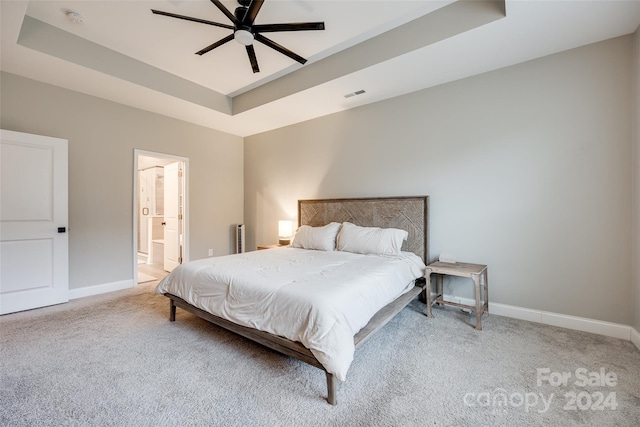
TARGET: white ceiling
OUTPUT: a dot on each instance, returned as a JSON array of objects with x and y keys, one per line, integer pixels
[{"x": 124, "y": 53}]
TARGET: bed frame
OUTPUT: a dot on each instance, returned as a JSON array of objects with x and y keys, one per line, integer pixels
[{"x": 407, "y": 213}]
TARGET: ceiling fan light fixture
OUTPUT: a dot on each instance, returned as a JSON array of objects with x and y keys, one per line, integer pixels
[
  {"x": 243, "y": 37},
  {"x": 245, "y": 31}
]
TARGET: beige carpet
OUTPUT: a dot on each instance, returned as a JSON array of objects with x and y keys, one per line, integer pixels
[
  {"x": 116, "y": 360},
  {"x": 143, "y": 277}
]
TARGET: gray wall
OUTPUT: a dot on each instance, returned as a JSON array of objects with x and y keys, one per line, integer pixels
[
  {"x": 102, "y": 137},
  {"x": 636, "y": 180},
  {"x": 528, "y": 169}
]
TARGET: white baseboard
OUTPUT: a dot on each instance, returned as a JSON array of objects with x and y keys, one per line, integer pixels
[
  {"x": 635, "y": 337},
  {"x": 88, "y": 291},
  {"x": 584, "y": 324},
  {"x": 599, "y": 327}
]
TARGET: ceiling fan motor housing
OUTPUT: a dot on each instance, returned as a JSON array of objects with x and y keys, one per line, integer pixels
[
  {"x": 242, "y": 35},
  {"x": 240, "y": 12}
]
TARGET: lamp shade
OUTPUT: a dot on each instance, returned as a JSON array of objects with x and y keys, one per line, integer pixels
[{"x": 285, "y": 231}]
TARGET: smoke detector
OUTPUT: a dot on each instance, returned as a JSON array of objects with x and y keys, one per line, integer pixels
[{"x": 74, "y": 16}]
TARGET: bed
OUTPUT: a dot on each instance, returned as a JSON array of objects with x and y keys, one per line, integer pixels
[{"x": 309, "y": 301}]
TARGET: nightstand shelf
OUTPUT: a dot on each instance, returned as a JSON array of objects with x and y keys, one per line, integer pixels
[
  {"x": 261, "y": 247},
  {"x": 476, "y": 272}
]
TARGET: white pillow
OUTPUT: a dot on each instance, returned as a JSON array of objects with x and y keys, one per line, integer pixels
[
  {"x": 320, "y": 238},
  {"x": 370, "y": 240}
]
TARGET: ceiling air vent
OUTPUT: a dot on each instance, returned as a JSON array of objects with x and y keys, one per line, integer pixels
[{"x": 358, "y": 92}]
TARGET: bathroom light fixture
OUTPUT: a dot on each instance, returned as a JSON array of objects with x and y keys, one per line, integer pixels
[{"x": 285, "y": 231}]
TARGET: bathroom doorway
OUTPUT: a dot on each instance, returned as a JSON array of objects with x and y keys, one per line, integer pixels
[{"x": 160, "y": 214}]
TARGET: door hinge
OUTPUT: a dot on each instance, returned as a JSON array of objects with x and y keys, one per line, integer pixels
[
  {"x": 180, "y": 216},
  {"x": 180, "y": 260},
  {"x": 180, "y": 173}
]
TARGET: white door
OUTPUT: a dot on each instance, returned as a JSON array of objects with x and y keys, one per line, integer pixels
[
  {"x": 144, "y": 212},
  {"x": 172, "y": 216},
  {"x": 34, "y": 245}
]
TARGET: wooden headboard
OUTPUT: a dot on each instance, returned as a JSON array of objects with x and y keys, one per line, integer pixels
[{"x": 406, "y": 213}]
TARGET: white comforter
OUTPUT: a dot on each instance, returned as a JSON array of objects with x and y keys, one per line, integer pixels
[{"x": 319, "y": 298}]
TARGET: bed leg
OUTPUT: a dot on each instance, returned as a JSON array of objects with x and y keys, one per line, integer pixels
[
  {"x": 172, "y": 311},
  {"x": 331, "y": 389},
  {"x": 427, "y": 291}
]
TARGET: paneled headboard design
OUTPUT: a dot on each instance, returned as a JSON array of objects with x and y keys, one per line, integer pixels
[{"x": 406, "y": 213}]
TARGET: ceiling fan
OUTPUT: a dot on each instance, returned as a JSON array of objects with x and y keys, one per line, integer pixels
[{"x": 245, "y": 31}]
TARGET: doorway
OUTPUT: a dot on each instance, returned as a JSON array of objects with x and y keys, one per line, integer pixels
[{"x": 160, "y": 214}]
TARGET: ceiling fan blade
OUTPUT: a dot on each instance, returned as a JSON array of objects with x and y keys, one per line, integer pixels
[
  {"x": 252, "y": 58},
  {"x": 189, "y": 18},
  {"x": 252, "y": 12},
  {"x": 215, "y": 45},
  {"x": 226, "y": 12},
  {"x": 294, "y": 26},
  {"x": 283, "y": 50}
]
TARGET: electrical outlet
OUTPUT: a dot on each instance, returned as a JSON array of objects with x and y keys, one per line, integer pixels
[{"x": 210, "y": 252}]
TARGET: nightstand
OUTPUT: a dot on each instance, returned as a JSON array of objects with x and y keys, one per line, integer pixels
[
  {"x": 270, "y": 246},
  {"x": 476, "y": 272}
]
